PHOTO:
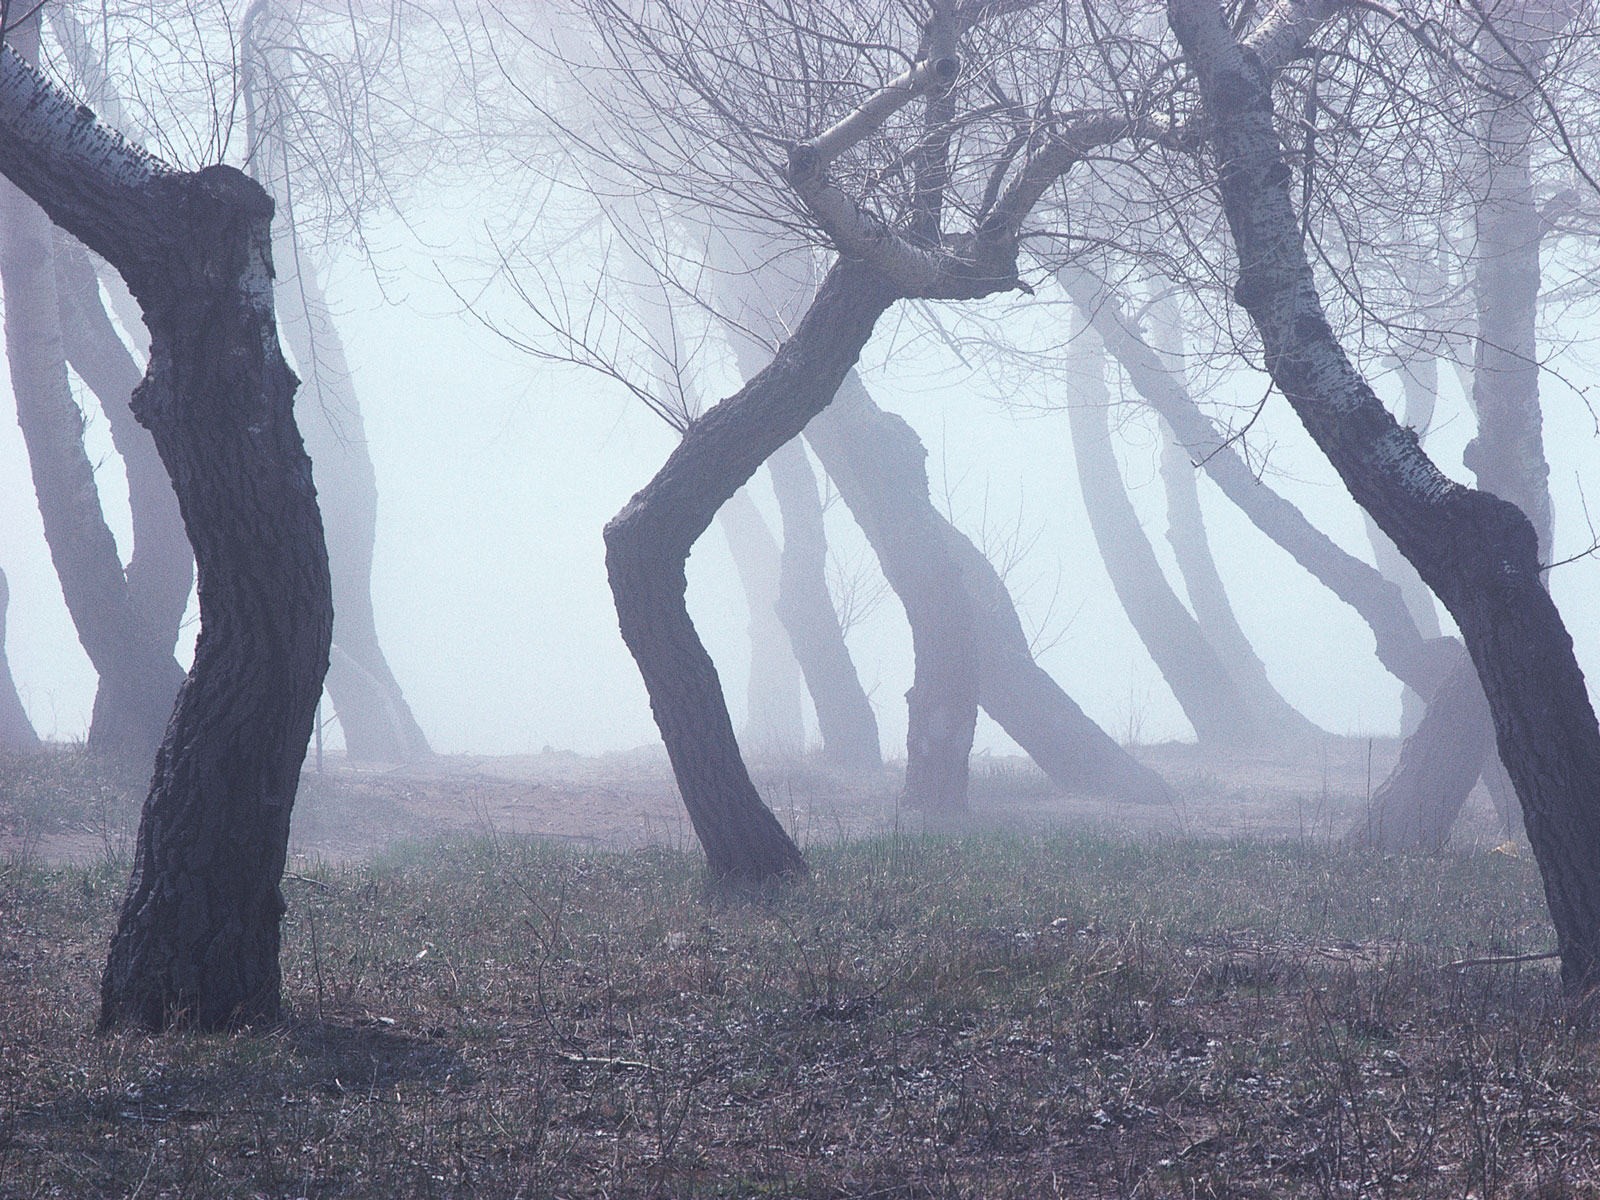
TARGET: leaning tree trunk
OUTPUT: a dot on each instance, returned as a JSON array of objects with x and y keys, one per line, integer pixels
[
  {"x": 17, "y": 734},
  {"x": 1478, "y": 553},
  {"x": 889, "y": 499},
  {"x": 648, "y": 544},
  {"x": 775, "y": 717},
  {"x": 138, "y": 677},
  {"x": 1416, "y": 807},
  {"x": 1202, "y": 684},
  {"x": 1013, "y": 689},
  {"x": 160, "y": 569},
  {"x": 844, "y": 714},
  {"x": 197, "y": 940}
]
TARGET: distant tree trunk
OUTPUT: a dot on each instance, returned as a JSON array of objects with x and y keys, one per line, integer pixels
[
  {"x": 1415, "y": 808},
  {"x": 197, "y": 940},
  {"x": 844, "y": 714},
  {"x": 138, "y": 678},
  {"x": 849, "y": 440},
  {"x": 775, "y": 722},
  {"x": 888, "y": 497},
  {"x": 377, "y": 722},
  {"x": 1420, "y": 385},
  {"x": 16, "y": 731},
  {"x": 648, "y": 543},
  {"x": 1479, "y": 554},
  {"x": 1421, "y": 664},
  {"x": 160, "y": 570},
  {"x": 1202, "y": 684},
  {"x": 1282, "y": 723}
]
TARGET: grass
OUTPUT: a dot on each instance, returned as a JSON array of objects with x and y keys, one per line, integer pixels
[{"x": 1067, "y": 1014}]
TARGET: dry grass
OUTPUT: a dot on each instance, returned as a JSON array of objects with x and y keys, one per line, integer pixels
[{"x": 1070, "y": 1013}]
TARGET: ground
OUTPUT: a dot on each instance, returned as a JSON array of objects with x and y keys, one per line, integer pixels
[{"x": 350, "y": 812}]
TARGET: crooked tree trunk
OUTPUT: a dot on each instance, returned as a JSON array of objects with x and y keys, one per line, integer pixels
[
  {"x": 775, "y": 722},
  {"x": 17, "y": 735},
  {"x": 888, "y": 496},
  {"x": 197, "y": 939},
  {"x": 1478, "y": 553},
  {"x": 844, "y": 714},
  {"x": 138, "y": 677},
  {"x": 648, "y": 543},
  {"x": 160, "y": 571},
  {"x": 1209, "y": 695},
  {"x": 1012, "y": 688}
]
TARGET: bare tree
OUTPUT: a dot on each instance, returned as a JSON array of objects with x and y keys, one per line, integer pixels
[
  {"x": 197, "y": 941},
  {"x": 1477, "y": 552}
]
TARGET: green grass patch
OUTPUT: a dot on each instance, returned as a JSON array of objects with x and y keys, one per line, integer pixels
[{"x": 1072, "y": 1014}]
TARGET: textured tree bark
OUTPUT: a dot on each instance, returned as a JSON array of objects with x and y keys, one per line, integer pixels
[
  {"x": 1478, "y": 553},
  {"x": 160, "y": 571},
  {"x": 844, "y": 714},
  {"x": 887, "y": 492},
  {"x": 775, "y": 721},
  {"x": 138, "y": 676},
  {"x": 1206, "y": 690},
  {"x": 648, "y": 543},
  {"x": 17, "y": 735},
  {"x": 1012, "y": 688},
  {"x": 197, "y": 940}
]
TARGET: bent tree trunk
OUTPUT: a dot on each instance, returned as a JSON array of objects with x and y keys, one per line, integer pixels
[
  {"x": 138, "y": 676},
  {"x": 1203, "y": 686},
  {"x": 844, "y": 714},
  {"x": 648, "y": 543},
  {"x": 17, "y": 734},
  {"x": 197, "y": 939},
  {"x": 1478, "y": 553},
  {"x": 849, "y": 440},
  {"x": 889, "y": 500},
  {"x": 775, "y": 717}
]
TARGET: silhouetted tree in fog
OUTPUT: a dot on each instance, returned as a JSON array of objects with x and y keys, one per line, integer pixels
[
  {"x": 16, "y": 731},
  {"x": 197, "y": 941},
  {"x": 1477, "y": 552}
]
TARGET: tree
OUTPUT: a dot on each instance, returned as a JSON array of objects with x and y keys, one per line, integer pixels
[
  {"x": 197, "y": 940},
  {"x": 1478, "y": 553},
  {"x": 17, "y": 734}
]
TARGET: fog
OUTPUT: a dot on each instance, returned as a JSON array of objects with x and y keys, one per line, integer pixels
[{"x": 497, "y": 471}]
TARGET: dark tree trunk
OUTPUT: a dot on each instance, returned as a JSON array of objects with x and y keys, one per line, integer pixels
[
  {"x": 888, "y": 496},
  {"x": 1419, "y": 663},
  {"x": 648, "y": 543},
  {"x": 1478, "y": 553},
  {"x": 197, "y": 940},
  {"x": 844, "y": 714},
  {"x": 16, "y": 731},
  {"x": 1202, "y": 684},
  {"x": 1417, "y": 805},
  {"x": 138, "y": 677},
  {"x": 849, "y": 440},
  {"x": 775, "y": 720}
]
